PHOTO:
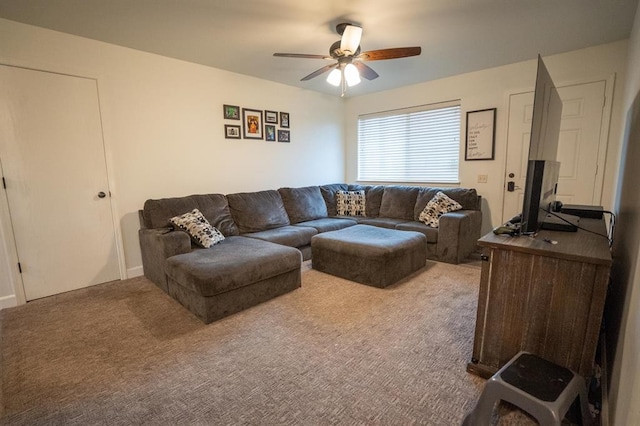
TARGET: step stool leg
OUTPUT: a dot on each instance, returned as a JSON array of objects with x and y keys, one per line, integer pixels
[
  {"x": 584, "y": 407},
  {"x": 481, "y": 413}
]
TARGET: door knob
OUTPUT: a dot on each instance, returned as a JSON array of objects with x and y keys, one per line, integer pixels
[{"x": 101, "y": 194}]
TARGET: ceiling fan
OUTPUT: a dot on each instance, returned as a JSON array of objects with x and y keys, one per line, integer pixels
[{"x": 349, "y": 66}]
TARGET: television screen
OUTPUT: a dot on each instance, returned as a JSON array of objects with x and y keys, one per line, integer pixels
[
  {"x": 547, "y": 114},
  {"x": 542, "y": 167}
]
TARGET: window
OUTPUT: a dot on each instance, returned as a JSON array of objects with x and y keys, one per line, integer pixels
[{"x": 419, "y": 144}]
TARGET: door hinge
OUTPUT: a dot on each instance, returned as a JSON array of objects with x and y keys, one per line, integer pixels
[
  {"x": 4, "y": 183},
  {"x": 19, "y": 267}
]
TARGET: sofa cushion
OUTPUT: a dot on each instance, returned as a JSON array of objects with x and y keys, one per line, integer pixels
[
  {"x": 382, "y": 222},
  {"x": 214, "y": 207},
  {"x": 328, "y": 223},
  {"x": 257, "y": 211},
  {"x": 436, "y": 207},
  {"x": 292, "y": 236},
  {"x": 373, "y": 194},
  {"x": 303, "y": 204},
  {"x": 467, "y": 197},
  {"x": 198, "y": 228},
  {"x": 235, "y": 262},
  {"x": 374, "y": 200},
  {"x": 350, "y": 203},
  {"x": 398, "y": 202},
  {"x": 429, "y": 232},
  {"x": 329, "y": 194}
]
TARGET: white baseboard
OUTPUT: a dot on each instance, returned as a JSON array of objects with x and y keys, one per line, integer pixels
[
  {"x": 136, "y": 271},
  {"x": 8, "y": 302},
  {"x": 11, "y": 301}
]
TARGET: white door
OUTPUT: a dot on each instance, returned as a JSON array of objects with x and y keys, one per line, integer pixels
[
  {"x": 582, "y": 106},
  {"x": 53, "y": 161}
]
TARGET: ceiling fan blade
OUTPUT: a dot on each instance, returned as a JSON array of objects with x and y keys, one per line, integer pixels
[
  {"x": 397, "y": 52},
  {"x": 302, "y": 55},
  {"x": 366, "y": 71},
  {"x": 320, "y": 71}
]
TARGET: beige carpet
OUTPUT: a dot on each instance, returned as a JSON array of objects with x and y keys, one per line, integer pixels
[{"x": 331, "y": 352}]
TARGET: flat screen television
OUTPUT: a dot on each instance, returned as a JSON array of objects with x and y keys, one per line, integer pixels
[
  {"x": 543, "y": 169},
  {"x": 539, "y": 193},
  {"x": 547, "y": 114}
]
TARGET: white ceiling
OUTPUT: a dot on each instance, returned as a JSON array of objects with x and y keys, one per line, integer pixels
[{"x": 456, "y": 36}]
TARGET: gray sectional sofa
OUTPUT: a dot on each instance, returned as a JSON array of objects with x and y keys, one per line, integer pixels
[{"x": 268, "y": 234}]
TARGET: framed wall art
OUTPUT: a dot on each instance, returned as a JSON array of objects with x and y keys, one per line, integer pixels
[
  {"x": 231, "y": 132},
  {"x": 231, "y": 112},
  {"x": 284, "y": 119},
  {"x": 283, "y": 136},
  {"x": 269, "y": 132},
  {"x": 271, "y": 117},
  {"x": 480, "y": 135},
  {"x": 252, "y": 123}
]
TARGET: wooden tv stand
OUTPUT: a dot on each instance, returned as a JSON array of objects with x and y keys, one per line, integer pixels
[{"x": 540, "y": 297}]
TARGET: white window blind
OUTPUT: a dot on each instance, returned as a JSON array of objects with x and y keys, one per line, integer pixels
[{"x": 419, "y": 144}]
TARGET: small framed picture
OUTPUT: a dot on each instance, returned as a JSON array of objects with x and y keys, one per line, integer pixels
[
  {"x": 252, "y": 123},
  {"x": 269, "y": 132},
  {"x": 231, "y": 132},
  {"x": 283, "y": 136},
  {"x": 231, "y": 112},
  {"x": 271, "y": 117},
  {"x": 481, "y": 135},
  {"x": 284, "y": 119}
]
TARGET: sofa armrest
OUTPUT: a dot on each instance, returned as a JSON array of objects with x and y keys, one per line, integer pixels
[
  {"x": 458, "y": 233},
  {"x": 157, "y": 245}
]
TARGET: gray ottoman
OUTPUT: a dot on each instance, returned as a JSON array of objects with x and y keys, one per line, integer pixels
[{"x": 368, "y": 254}]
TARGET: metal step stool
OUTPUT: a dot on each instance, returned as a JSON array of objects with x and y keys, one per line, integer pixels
[{"x": 543, "y": 389}]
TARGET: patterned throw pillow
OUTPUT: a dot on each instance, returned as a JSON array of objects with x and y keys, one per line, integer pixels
[
  {"x": 436, "y": 207},
  {"x": 198, "y": 228},
  {"x": 350, "y": 203}
]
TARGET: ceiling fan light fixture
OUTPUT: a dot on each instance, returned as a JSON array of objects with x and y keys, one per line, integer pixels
[
  {"x": 351, "y": 39},
  {"x": 348, "y": 65},
  {"x": 352, "y": 75},
  {"x": 335, "y": 77}
]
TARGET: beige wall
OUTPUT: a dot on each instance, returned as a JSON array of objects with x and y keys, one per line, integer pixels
[
  {"x": 157, "y": 112},
  {"x": 163, "y": 127},
  {"x": 623, "y": 327},
  {"x": 491, "y": 89}
]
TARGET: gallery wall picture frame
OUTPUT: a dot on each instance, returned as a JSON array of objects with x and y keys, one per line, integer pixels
[
  {"x": 284, "y": 120},
  {"x": 252, "y": 123},
  {"x": 271, "y": 117},
  {"x": 269, "y": 133},
  {"x": 284, "y": 136},
  {"x": 231, "y": 112},
  {"x": 480, "y": 136},
  {"x": 231, "y": 131}
]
